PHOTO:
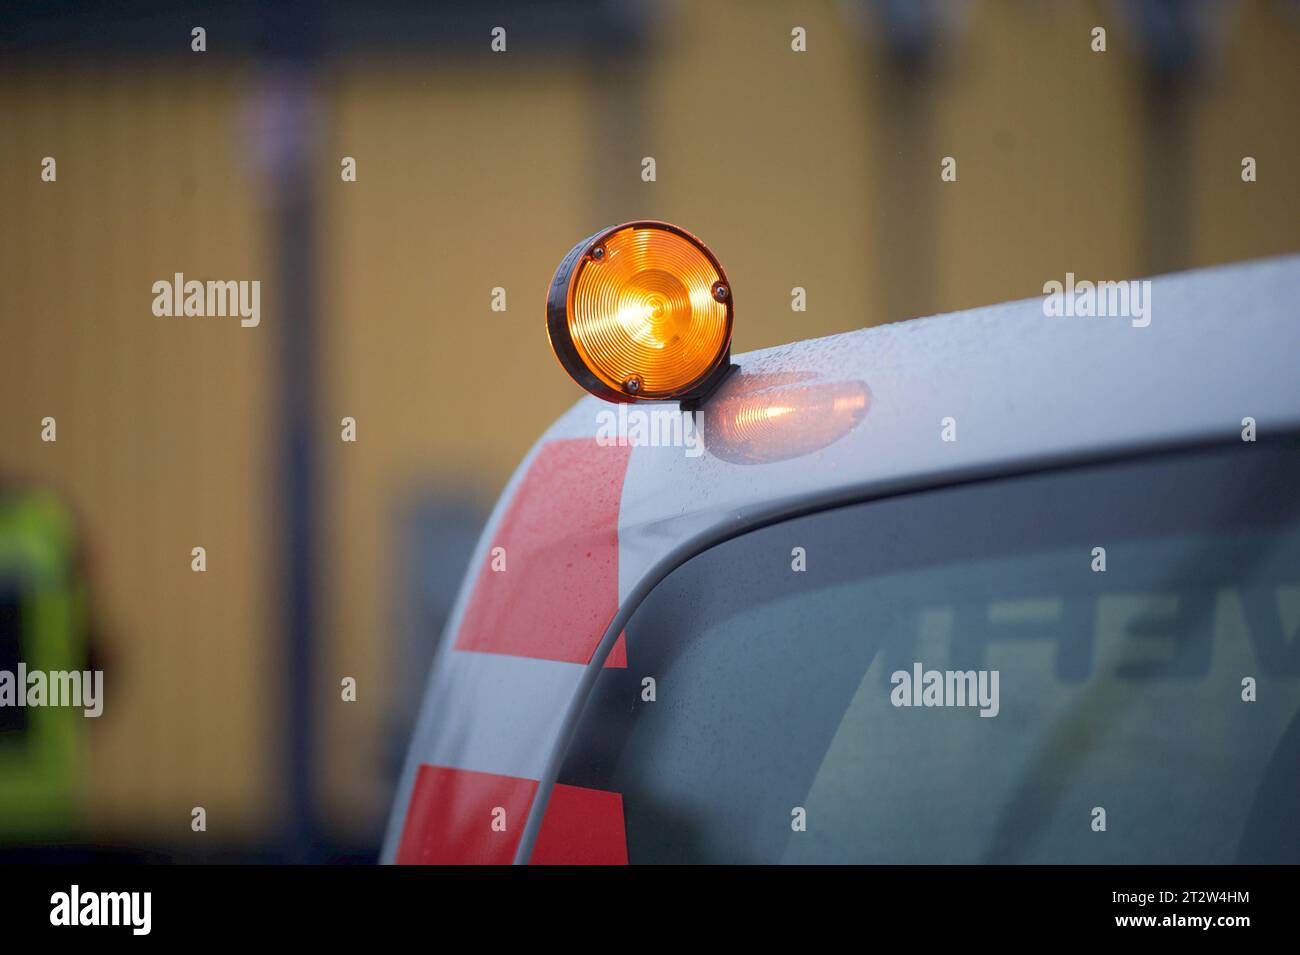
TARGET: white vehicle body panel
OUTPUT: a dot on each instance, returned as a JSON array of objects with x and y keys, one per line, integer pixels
[{"x": 1024, "y": 391}]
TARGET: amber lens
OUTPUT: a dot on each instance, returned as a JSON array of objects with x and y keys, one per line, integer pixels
[{"x": 647, "y": 316}]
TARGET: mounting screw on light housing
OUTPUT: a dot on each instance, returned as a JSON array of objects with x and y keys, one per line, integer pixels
[{"x": 642, "y": 312}]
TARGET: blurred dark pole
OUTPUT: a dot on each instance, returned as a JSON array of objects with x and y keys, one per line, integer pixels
[
  {"x": 288, "y": 118},
  {"x": 1169, "y": 43},
  {"x": 907, "y": 166},
  {"x": 614, "y": 61}
]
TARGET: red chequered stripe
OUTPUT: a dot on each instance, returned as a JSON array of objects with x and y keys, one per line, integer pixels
[
  {"x": 559, "y": 589},
  {"x": 449, "y": 822}
]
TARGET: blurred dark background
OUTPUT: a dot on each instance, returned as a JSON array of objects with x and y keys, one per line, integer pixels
[{"x": 478, "y": 170}]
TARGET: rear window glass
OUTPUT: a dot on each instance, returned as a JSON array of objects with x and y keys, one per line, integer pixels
[{"x": 954, "y": 678}]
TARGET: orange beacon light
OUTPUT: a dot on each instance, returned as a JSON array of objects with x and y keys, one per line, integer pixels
[{"x": 642, "y": 312}]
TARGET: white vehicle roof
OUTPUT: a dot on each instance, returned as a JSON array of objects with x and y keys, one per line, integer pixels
[
  {"x": 1024, "y": 391},
  {"x": 806, "y": 426}
]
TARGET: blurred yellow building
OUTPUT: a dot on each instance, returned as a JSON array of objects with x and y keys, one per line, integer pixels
[{"x": 478, "y": 170}]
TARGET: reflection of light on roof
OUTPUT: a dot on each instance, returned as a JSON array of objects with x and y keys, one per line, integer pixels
[{"x": 760, "y": 418}]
